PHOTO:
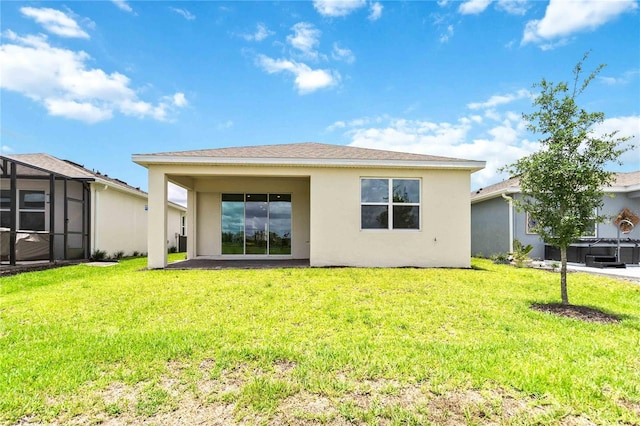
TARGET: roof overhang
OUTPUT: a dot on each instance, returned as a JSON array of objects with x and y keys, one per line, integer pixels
[
  {"x": 148, "y": 160},
  {"x": 489, "y": 195}
]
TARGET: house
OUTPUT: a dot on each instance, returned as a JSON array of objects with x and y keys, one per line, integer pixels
[
  {"x": 334, "y": 205},
  {"x": 53, "y": 209},
  {"x": 495, "y": 223}
]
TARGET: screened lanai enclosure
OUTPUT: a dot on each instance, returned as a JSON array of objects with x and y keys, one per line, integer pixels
[{"x": 44, "y": 215}]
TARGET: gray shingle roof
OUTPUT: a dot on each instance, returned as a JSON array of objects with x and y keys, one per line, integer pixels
[
  {"x": 66, "y": 168},
  {"x": 307, "y": 150},
  {"x": 621, "y": 180}
]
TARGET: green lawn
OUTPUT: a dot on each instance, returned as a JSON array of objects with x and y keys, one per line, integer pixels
[{"x": 84, "y": 344}]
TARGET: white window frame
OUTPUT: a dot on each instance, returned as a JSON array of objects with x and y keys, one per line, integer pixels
[
  {"x": 6, "y": 207},
  {"x": 390, "y": 204},
  {"x": 530, "y": 223},
  {"x": 595, "y": 226},
  {"x": 21, "y": 210}
]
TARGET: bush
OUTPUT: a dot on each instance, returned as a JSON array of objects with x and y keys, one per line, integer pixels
[
  {"x": 521, "y": 253},
  {"x": 118, "y": 255},
  {"x": 98, "y": 255},
  {"x": 501, "y": 258}
]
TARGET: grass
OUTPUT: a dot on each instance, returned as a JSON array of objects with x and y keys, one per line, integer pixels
[{"x": 402, "y": 346}]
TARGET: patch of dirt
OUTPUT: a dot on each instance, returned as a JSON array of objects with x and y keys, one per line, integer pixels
[
  {"x": 486, "y": 407},
  {"x": 305, "y": 408},
  {"x": 212, "y": 401},
  {"x": 576, "y": 421},
  {"x": 583, "y": 313}
]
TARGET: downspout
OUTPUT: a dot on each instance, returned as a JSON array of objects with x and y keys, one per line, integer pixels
[
  {"x": 93, "y": 220},
  {"x": 510, "y": 200}
]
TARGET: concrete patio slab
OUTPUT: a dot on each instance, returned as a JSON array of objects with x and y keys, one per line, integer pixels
[{"x": 238, "y": 264}]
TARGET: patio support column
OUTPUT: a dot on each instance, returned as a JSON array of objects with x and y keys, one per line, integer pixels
[
  {"x": 157, "y": 219},
  {"x": 192, "y": 232},
  {"x": 14, "y": 209},
  {"x": 52, "y": 216}
]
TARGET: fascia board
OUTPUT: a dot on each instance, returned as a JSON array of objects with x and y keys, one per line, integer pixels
[
  {"x": 490, "y": 195},
  {"x": 98, "y": 181},
  {"x": 146, "y": 160},
  {"x": 622, "y": 189},
  {"x": 140, "y": 194}
]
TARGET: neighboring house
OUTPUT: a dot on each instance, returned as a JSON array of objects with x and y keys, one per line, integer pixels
[
  {"x": 52, "y": 209},
  {"x": 333, "y": 205},
  {"x": 495, "y": 223}
]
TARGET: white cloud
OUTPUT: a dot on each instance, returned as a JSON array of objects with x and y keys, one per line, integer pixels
[
  {"x": 563, "y": 18},
  {"x": 514, "y": 7},
  {"x": 59, "y": 79},
  {"x": 177, "y": 194},
  {"x": 179, "y": 100},
  {"x": 337, "y": 8},
  {"x": 306, "y": 38},
  {"x": 184, "y": 13},
  {"x": 342, "y": 54},
  {"x": 473, "y": 7},
  {"x": 82, "y": 111},
  {"x": 122, "y": 5},
  {"x": 307, "y": 80},
  {"x": 497, "y": 100},
  {"x": 375, "y": 11},
  {"x": 447, "y": 35},
  {"x": 625, "y": 78},
  {"x": 55, "y": 22},
  {"x": 260, "y": 34},
  {"x": 626, "y": 126},
  {"x": 225, "y": 125},
  {"x": 469, "y": 137},
  {"x": 6, "y": 149}
]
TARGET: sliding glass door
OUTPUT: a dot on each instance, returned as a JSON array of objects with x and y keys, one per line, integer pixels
[
  {"x": 256, "y": 224},
  {"x": 279, "y": 223},
  {"x": 232, "y": 223}
]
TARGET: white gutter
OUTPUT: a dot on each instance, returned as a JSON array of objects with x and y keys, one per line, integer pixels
[
  {"x": 94, "y": 219},
  {"x": 144, "y": 160},
  {"x": 510, "y": 200}
]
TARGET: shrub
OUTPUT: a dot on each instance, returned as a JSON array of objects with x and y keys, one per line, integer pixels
[
  {"x": 521, "y": 253},
  {"x": 98, "y": 255},
  {"x": 500, "y": 258}
]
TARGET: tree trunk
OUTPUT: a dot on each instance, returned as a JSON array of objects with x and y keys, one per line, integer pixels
[{"x": 563, "y": 276}]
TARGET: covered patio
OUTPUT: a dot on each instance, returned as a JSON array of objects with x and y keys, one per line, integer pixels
[{"x": 44, "y": 214}]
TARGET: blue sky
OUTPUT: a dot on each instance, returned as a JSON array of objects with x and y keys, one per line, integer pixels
[{"x": 95, "y": 82}]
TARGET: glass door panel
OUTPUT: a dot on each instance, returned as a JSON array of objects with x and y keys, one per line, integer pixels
[
  {"x": 256, "y": 218},
  {"x": 232, "y": 223},
  {"x": 279, "y": 224}
]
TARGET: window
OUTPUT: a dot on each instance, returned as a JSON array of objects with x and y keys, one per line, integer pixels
[
  {"x": 591, "y": 230},
  {"x": 183, "y": 225},
  {"x": 531, "y": 224},
  {"x": 5, "y": 208},
  {"x": 389, "y": 203},
  {"x": 31, "y": 210}
]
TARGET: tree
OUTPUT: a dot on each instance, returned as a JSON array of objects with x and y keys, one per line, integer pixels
[{"x": 562, "y": 183}]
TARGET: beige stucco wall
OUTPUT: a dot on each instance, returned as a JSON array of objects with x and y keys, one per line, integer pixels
[
  {"x": 326, "y": 213},
  {"x": 442, "y": 241},
  {"x": 119, "y": 221}
]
